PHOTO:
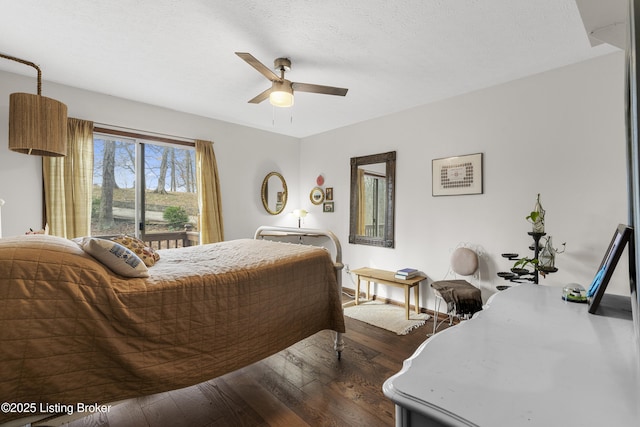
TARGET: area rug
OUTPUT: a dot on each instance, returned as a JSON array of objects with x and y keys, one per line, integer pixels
[{"x": 386, "y": 316}]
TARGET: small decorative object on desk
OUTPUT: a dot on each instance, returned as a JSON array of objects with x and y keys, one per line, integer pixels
[
  {"x": 574, "y": 293},
  {"x": 406, "y": 273}
]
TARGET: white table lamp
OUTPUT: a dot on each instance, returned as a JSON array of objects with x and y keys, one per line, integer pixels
[{"x": 299, "y": 213}]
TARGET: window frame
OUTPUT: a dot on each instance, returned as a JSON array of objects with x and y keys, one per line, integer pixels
[{"x": 140, "y": 140}]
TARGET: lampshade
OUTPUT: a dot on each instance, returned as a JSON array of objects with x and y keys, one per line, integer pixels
[
  {"x": 300, "y": 213},
  {"x": 37, "y": 125},
  {"x": 281, "y": 94}
]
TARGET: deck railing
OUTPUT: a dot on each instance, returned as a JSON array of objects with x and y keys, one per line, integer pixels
[
  {"x": 169, "y": 239},
  {"x": 370, "y": 230}
]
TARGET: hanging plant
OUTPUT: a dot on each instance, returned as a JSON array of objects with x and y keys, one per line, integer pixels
[
  {"x": 520, "y": 266},
  {"x": 536, "y": 217},
  {"x": 547, "y": 257}
]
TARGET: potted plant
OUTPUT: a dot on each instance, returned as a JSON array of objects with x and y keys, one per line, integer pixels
[
  {"x": 520, "y": 266},
  {"x": 536, "y": 217},
  {"x": 544, "y": 263},
  {"x": 547, "y": 257}
]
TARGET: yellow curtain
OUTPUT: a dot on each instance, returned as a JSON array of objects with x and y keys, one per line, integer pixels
[
  {"x": 68, "y": 183},
  {"x": 362, "y": 200},
  {"x": 209, "y": 200}
]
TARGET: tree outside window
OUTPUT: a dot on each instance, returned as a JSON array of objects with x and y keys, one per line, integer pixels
[{"x": 140, "y": 188}]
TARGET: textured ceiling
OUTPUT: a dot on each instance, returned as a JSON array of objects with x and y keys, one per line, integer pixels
[{"x": 392, "y": 55}]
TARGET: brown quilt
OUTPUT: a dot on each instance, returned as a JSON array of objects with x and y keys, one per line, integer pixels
[{"x": 72, "y": 331}]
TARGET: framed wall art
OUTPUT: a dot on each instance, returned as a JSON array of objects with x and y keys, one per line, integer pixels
[
  {"x": 328, "y": 193},
  {"x": 457, "y": 175}
]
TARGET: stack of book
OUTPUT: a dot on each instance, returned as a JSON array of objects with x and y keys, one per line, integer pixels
[{"x": 406, "y": 273}]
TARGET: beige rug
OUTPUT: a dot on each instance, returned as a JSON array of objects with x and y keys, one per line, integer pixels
[{"x": 386, "y": 316}]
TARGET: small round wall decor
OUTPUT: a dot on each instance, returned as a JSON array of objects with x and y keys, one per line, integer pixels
[{"x": 316, "y": 196}]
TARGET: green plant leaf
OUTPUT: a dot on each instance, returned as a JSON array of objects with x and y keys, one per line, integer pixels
[
  {"x": 523, "y": 262},
  {"x": 533, "y": 216}
]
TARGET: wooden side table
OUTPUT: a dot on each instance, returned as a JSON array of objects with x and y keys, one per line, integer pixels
[{"x": 385, "y": 277}]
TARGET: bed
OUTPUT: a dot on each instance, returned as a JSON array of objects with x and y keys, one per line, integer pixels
[{"x": 73, "y": 331}]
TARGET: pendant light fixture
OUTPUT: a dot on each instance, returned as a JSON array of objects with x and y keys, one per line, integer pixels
[{"x": 37, "y": 124}]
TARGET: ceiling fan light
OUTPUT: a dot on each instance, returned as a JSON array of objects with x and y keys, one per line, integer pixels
[{"x": 281, "y": 94}]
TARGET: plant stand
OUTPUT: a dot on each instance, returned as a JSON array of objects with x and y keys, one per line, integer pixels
[{"x": 518, "y": 275}]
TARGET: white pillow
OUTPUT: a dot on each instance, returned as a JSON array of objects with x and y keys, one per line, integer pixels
[{"x": 114, "y": 256}]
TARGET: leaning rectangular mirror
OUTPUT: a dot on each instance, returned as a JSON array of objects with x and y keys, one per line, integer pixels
[{"x": 372, "y": 200}]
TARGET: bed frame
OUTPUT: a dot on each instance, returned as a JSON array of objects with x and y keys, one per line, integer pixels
[
  {"x": 313, "y": 237},
  {"x": 319, "y": 237}
]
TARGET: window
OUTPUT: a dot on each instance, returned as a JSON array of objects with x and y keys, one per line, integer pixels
[
  {"x": 142, "y": 187},
  {"x": 375, "y": 187}
]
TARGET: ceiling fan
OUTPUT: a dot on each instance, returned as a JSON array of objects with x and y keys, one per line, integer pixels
[{"x": 280, "y": 93}]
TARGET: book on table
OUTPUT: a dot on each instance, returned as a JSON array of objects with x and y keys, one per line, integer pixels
[{"x": 406, "y": 273}]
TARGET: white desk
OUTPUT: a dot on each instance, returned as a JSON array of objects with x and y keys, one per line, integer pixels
[{"x": 528, "y": 359}]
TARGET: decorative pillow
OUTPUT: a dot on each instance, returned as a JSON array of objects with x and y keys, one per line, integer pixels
[
  {"x": 464, "y": 261},
  {"x": 138, "y": 247},
  {"x": 114, "y": 256}
]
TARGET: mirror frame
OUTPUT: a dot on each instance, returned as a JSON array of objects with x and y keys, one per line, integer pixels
[
  {"x": 319, "y": 192},
  {"x": 285, "y": 193},
  {"x": 388, "y": 241}
]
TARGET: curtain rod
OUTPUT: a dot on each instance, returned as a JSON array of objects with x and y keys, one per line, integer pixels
[{"x": 135, "y": 133}]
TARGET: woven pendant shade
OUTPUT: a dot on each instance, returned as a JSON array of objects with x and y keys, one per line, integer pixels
[{"x": 37, "y": 125}]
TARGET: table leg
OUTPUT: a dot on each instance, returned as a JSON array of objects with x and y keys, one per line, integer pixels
[
  {"x": 416, "y": 295},
  {"x": 358, "y": 290},
  {"x": 368, "y": 290},
  {"x": 406, "y": 300}
]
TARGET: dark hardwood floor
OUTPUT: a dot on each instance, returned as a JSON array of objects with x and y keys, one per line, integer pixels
[{"x": 304, "y": 385}]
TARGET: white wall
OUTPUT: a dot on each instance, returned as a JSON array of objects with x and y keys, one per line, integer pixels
[
  {"x": 244, "y": 156},
  {"x": 20, "y": 175},
  {"x": 560, "y": 134}
]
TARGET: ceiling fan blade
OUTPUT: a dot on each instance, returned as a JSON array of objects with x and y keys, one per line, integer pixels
[
  {"x": 327, "y": 90},
  {"x": 259, "y": 98},
  {"x": 262, "y": 69}
]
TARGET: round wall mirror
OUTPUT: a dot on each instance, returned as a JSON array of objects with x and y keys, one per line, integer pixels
[
  {"x": 274, "y": 193},
  {"x": 316, "y": 195}
]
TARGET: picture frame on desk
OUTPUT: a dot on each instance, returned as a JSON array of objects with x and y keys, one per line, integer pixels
[{"x": 623, "y": 236}]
